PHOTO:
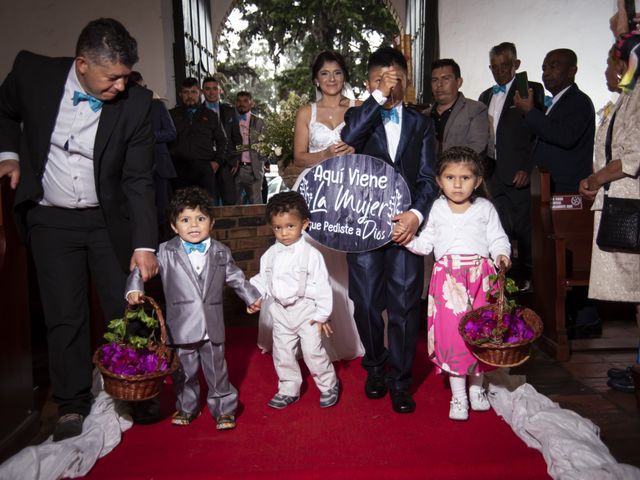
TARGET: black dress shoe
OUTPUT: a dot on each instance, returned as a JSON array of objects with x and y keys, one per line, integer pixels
[
  {"x": 67, "y": 426},
  {"x": 402, "y": 402},
  {"x": 375, "y": 386},
  {"x": 622, "y": 384}
]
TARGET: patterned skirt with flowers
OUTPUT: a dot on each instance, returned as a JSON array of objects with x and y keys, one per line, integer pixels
[{"x": 459, "y": 283}]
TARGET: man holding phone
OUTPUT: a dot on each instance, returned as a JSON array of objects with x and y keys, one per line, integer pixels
[{"x": 509, "y": 152}]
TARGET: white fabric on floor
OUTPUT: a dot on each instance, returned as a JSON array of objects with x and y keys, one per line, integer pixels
[
  {"x": 73, "y": 457},
  {"x": 570, "y": 444}
]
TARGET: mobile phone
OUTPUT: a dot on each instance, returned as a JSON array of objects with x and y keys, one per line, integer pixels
[{"x": 522, "y": 84}]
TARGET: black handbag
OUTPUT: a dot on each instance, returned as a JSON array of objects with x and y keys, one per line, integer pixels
[
  {"x": 619, "y": 228},
  {"x": 619, "y": 225}
]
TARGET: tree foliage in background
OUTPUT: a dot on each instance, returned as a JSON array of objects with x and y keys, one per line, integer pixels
[{"x": 298, "y": 30}]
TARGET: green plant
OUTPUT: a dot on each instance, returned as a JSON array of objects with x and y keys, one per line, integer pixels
[
  {"x": 117, "y": 329},
  {"x": 276, "y": 139}
]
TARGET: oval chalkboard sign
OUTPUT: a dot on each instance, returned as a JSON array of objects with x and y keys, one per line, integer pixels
[{"x": 352, "y": 199}]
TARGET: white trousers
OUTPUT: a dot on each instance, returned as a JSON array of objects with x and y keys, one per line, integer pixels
[{"x": 291, "y": 326}]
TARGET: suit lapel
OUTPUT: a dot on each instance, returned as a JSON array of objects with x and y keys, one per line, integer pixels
[
  {"x": 50, "y": 105},
  {"x": 183, "y": 260},
  {"x": 108, "y": 119},
  {"x": 380, "y": 137},
  {"x": 405, "y": 133},
  {"x": 452, "y": 117},
  {"x": 508, "y": 102},
  {"x": 211, "y": 267}
]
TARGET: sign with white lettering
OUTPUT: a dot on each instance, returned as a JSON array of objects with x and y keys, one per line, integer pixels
[{"x": 352, "y": 199}]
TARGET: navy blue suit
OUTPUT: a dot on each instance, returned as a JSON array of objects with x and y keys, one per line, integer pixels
[
  {"x": 391, "y": 277},
  {"x": 564, "y": 144}
]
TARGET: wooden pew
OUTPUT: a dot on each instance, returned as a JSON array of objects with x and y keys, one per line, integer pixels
[
  {"x": 19, "y": 420},
  {"x": 561, "y": 234}
]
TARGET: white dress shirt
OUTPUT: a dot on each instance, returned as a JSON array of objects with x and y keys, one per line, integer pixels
[
  {"x": 68, "y": 179},
  {"x": 495, "y": 110},
  {"x": 199, "y": 259},
  {"x": 286, "y": 266},
  {"x": 477, "y": 231}
]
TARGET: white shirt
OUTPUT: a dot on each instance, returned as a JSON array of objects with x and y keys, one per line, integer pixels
[
  {"x": 556, "y": 97},
  {"x": 393, "y": 130},
  {"x": 495, "y": 110},
  {"x": 477, "y": 231},
  {"x": 68, "y": 179},
  {"x": 285, "y": 275}
]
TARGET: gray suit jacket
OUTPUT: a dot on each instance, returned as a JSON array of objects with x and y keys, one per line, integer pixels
[
  {"x": 194, "y": 305},
  {"x": 467, "y": 126},
  {"x": 256, "y": 126}
]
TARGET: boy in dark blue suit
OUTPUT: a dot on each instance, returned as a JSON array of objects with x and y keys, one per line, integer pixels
[{"x": 391, "y": 277}]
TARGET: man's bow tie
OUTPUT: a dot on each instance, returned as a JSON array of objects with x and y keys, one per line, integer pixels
[
  {"x": 548, "y": 101},
  {"x": 192, "y": 247},
  {"x": 391, "y": 114},
  {"x": 94, "y": 103},
  {"x": 213, "y": 105},
  {"x": 499, "y": 88},
  {"x": 242, "y": 116}
]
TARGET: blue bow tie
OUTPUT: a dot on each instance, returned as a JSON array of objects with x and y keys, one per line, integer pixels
[
  {"x": 192, "y": 110},
  {"x": 548, "y": 101},
  {"x": 499, "y": 88},
  {"x": 242, "y": 116},
  {"x": 94, "y": 103},
  {"x": 391, "y": 114},
  {"x": 192, "y": 247}
]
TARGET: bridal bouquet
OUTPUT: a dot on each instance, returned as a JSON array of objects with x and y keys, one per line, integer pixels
[{"x": 276, "y": 140}]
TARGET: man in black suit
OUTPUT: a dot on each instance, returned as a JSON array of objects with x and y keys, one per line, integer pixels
[
  {"x": 212, "y": 89},
  {"x": 565, "y": 133},
  {"x": 391, "y": 277},
  {"x": 509, "y": 153},
  {"x": 79, "y": 149},
  {"x": 199, "y": 151}
]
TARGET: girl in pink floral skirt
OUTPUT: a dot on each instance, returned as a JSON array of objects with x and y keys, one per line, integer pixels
[{"x": 464, "y": 232}]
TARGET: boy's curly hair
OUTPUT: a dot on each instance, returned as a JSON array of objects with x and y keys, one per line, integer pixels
[
  {"x": 285, "y": 202},
  {"x": 192, "y": 198}
]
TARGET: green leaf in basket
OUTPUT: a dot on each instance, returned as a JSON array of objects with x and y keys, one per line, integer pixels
[
  {"x": 138, "y": 342},
  {"x": 118, "y": 328},
  {"x": 111, "y": 337},
  {"x": 148, "y": 320}
]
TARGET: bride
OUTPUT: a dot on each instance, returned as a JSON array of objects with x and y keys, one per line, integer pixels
[{"x": 316, "y": 138}]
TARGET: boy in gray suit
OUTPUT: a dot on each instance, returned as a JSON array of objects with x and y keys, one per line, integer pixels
[{"x": 194, "y": 268}]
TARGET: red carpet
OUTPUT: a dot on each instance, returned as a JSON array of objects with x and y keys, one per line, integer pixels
[{"x": 356, "y": 439}]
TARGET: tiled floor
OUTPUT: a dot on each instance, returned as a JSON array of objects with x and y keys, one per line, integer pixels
[{"x": 580, "y": 384}]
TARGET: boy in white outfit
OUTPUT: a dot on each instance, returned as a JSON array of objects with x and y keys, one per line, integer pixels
[{"x": 294, "y": 280}]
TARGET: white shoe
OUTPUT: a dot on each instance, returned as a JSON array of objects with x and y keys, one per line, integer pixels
[
  {"x": 479, "y": 401},
  {"x": 459, "y": 410}
]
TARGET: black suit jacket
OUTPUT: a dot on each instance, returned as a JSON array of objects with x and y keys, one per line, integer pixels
[
  {"x": 415, "y": 157},
  {"x": 164, "y": 132},
  {"x": 514, "y": 141},
  {"x": 564, "y": 143},
  {"x": 122, "y": 155}
]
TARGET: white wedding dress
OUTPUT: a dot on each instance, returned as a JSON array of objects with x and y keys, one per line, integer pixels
[{"x": 344, "y": 343}]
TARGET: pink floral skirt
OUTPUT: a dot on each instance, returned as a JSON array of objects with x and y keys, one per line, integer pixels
[{"x": 459, "y": 283}]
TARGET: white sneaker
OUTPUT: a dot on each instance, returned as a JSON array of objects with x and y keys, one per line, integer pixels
[
  {"x": 458, "y": 410},
  {"x": 479, "y": 401}
]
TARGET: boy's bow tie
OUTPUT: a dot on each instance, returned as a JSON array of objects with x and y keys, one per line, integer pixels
[{"x": 192, "y": 247}]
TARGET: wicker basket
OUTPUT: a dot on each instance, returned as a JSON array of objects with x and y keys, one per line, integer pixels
[
  {"x": 140, "y": 387},
  {"x": 502, "y": 354}
]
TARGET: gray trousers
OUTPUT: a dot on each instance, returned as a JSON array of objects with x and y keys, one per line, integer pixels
[
  {"x": 252, "y": 186},
  {"x": 222, "y": 398}
]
